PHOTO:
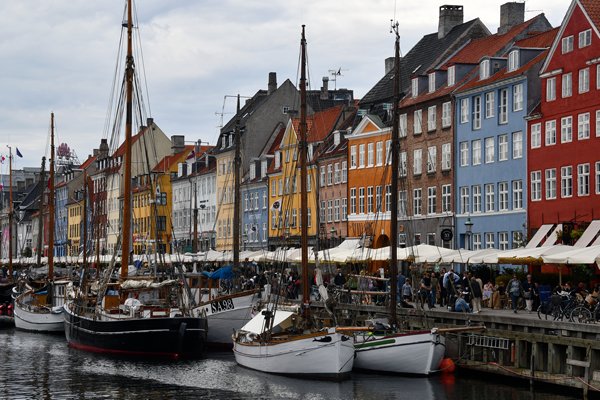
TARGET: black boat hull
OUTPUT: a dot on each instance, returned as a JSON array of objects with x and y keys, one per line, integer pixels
[{"x": 173, "y": 338}]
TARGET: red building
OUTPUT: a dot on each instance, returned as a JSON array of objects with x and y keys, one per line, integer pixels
[{"x": 563, "y": 153}]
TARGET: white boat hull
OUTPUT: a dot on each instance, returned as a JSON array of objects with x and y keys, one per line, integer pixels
[
  {"x": 38, "y": 320},
  {"x": 327, "y": 356},
  {"x": 415, "y": 353}
]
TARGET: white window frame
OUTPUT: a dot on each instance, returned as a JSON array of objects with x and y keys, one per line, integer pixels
[
  {"x": 464, "y": 154},
  {"x": 431, "y": 200},
  {"x": 431, "y": 118},
  {"x": 476, "y": 192},
  {"x": 361, "y": 155},
  {"x": 353, "y": 157},
  {"x": 490, "y": 104},
  {"x": 417, "y": 162},
  {"x": 585, "y": 38},
  {"x": 566, "y": 129},
  {"x": 567, "y": 44},
  {"x": 431, "y": 86},
  {"x": 490, "y": 197},
  {"x": 536, "y": 185},
  {"x": 550, "y": 183},
  {"x": 490, "y": 150},
  {"x": 451, "y": 75},
  {"x": 583, "y": 180},
  {"x": 379, "y": 153},
  {"x": 535, "y": 134},
  {"x": 464, "y": 110},
  {"x": 584, "y": 80},
  {"x": 446, "y": 114},
  {"x": 567, "y": 85},
  {"x": 402, "y": 125},
  {"x": 566, "y": 181},
  {"x": 550, "y": 133},
  {"x": 551, "y": 89},
  {"x": 513, "y": 61},
  {"x": 476, "y": 152},
  {"x": 370, "y": 154},
  {"x": 502, "y": 196},
  {"x": 503, "y": 147},
  {"x": 518, "y": 97},
  {"x": 418, "y": 122},
  {"x": 477, "y": 112},
  {"x": 446, "y": 156},
  {"x": 517, "y": 145},
  {"x": 517, "y": 194},
  {"x": 464, "y": 200},
  {"x": 415, "y": 87},
  {"x": 417, "y": 201},
  {"x": 484, "y": 69},
  {"x": 583, "y": 126},
  {"x": 431, "y": 159},
  {"x": 446, "y": 198}
]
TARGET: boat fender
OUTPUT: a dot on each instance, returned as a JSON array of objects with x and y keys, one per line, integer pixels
[
  {"x": 325, "y": 339},
  {"x": 345, "y": 338},
  {"x": 9, "y": 310}
]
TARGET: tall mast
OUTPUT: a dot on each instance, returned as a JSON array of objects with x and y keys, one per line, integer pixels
[
  {"x": 126, "y": 232},
  {"x": 41, "y": 214},
  {"x": 394, "y": 187},
  {"x": 195, "y": 238},
  {"x": 85, "y": 217},
  {"x": 303, "y": 175},
  {"x": 10, "y": 213},
  {"x": 51, "y": 203},
  {"x": 237, "y": 162}
]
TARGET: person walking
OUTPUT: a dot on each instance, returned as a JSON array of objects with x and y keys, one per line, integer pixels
[
  {"x": 476, "y": 293},
  {"x": 435, "y": 285},
  {"x": 529, "y": 292},
  {"x": 515, "y": 289},
  {"x": 425, "y": 291}
]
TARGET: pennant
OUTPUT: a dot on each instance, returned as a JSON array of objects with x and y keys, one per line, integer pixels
[{"x": 19, "y": 153}]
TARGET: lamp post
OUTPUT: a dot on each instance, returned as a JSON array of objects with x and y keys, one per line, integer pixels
[
  {"x": 333, "y": 233},
  {"x": 468, "y": 231}
]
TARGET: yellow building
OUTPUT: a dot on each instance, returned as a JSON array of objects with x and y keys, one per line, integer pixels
[
  {"x": 284, "y": 180},
  {"x": 225, "y": 197},
  {"x": 74, "y": 213}
]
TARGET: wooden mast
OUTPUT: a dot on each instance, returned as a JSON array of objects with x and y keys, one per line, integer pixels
[
  {"x": 51, "y": 203},
  {"x": 85, "y": 217},
  {"x": 303, "y": 176},
  {"x": 126, "y": 232},
  {"x": 394, "y": 186},
  {"x": 237, "y": 162},
  {"x": 10, "y": 213},
  {"x": 40, "y": 242}
]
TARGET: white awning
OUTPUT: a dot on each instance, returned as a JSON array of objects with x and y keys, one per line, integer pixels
[
  {"x": 552, "y": 238},
  {"x": 589, "y": 234},
  {"x": 539, "y": 236},
  {"x": 585, "y": 255},
  {"x": 257, "y": 324}
]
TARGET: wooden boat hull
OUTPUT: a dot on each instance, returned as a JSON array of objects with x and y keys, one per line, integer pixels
[
  {"x": 226, "y": 315},
  {"x": 324, "y": 355},
  {"x": 414, "y": 353},
  {"x": 163, "y": 337}
]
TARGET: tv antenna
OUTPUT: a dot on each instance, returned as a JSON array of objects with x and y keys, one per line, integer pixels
[{"x": 334, "y": 75}]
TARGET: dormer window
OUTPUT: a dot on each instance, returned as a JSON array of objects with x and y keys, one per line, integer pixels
[
  {"x": 415, "y": 87},
  {"x": 277, "y": 160},
  {"x": 451, "y": 76},
  {"x": 336, "y": 138},
  {"x": 223, "y": 141},
  {"x": 230, "y": 141},
  {"x": 484, "y": 69},
  {"x": 252, "y": 171},
  {"x": 263, "y": 168},
  {"x": 513, "y": 60},
  {"x": 432, "y": 82},
  {"x": 310, "y": 152}
]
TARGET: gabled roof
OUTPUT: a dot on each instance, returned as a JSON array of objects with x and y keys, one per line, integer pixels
[
  {"x": 88, "y": 162},
  {"x": 592, "y": 8},
  {"x": 429, "y": 51},
  {"x": 320, "y": 124},
  {"x": 167, "y": 162},
  {"x": 540, "y": 40}
]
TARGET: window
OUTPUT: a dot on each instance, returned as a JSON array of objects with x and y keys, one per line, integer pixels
[
  {"x": 344, "y": 208},
  {"x": 584, "y": 80},
  {"x": 417, "y": 161},
  {"x": 446, "y": 156},
  {"x": 476, "y": 241},
  {"x": 484, "y": 69},
  {"x": 431, "y": 159},
  {"x": 431, "y": 200},
  {"x": 464, "y": 111},
  {"x": 336, "y": 210},
  {"x": 431, "y": 82},
  {"x": 402, "y": 203},
  {"x": 489, "y": 150},
  {"x": 447, "y": 197},
  {"x": 566, "y": 181},
  {"x": 513, "y": 60},
  {"x": 417, "y": 122},
  {"x": 503, "y": 111},
  {"x": 598, "y": 76},
  {"x": 597, "y": 181},
  {"x": 503, "y": 147},
  {"x": 431, "y": 120},
  {"x": 464, "y": 200},
  {"x": 464, "y": 154},
  {"x": 503, "y": 240},
  {"x": 550, "y": 183},
  {"x": 567, "y": 44},
  {"x": 490, "y": 240},
  {"x": 402, "y": 125},
  {"x": 489, "y": 104},
  {"x": 329, "y": 210},
  {"x": 550, "y": 133},
  {"x": 344, "y": 171},
  {"x": 585, "y": 38},
  {"x": 370, "y": 155},
  {"x": 551, "y": 89},
  {"x": 361, "y": 156},
  {"x": 490, "y": 197},
  {"x": 476, "y": 189},
  {"x": 567, "y": 85},
  {"x": 388, "y": 152},
  {"x": 518, "y": 97},
  {"x": 477, "y": 112},
  {"x": 566, "y": 129},
  {"x": 536, "y": 135},
  {"x": 378, "y": 196},
  {"x": 336, "y": 173},
  {"x": 353, "y": 201},
  {"x": 415, "y": 87},
  {"x": 583, "y": 126},
  {"x": 583, "y": 179},
  {"x": 597, "y": 123},
  {"x": 322, "y": 176},
  {"x": 536, "y": 185},
  {"x": 417, "y": 202},
  {"x": 379, "y": 153},
  {"x": 451, "y": 76},
  {"x": 329, "y": 174},
  {"x": 370, "y": 199},
  {"x": 402, "y": 164},
  {"x": 517, "y": 144},
  {"x": 517, "y": 192},
  {"x": 476, "y": 150},
  {"x": 388, "y": 197},
  {"x": 353, "y": 156},
  {"x": 446, "y": 114},
  {"x": 361, "y": 200}
]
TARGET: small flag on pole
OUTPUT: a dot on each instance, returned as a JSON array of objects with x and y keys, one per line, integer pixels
[{"x": 19, "y": 153}]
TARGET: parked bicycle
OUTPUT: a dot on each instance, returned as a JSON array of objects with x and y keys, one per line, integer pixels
[
  {"x": 560, "y": 306},
  {"x": 588, "y": 311}
]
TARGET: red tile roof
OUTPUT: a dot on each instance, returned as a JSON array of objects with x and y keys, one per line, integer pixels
[
  {"x": 165, "y": 164},
  {"x": 592, "y": 7},
  {"x": 88, "y": 162},
  {"x": 539, "y": 40},
  {"x": 320, "y": 124}
]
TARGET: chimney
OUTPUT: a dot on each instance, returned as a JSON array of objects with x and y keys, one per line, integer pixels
[
  {"x": 450, "y": 16},
  {"x": 511, "y": 14},
  {"x": 103, "y": 150},
  {"x": 95, "y": 153},
  {"x": 389, "y": 64},
  {"x": 272, "y": 82},
  {"x": 177, "y": 144},
  {"x": 325, "y": 88}
]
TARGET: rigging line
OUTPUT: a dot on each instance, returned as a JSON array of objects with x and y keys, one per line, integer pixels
[{"x": 141, "y": 56}]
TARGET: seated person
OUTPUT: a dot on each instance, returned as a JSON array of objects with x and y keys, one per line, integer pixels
[{"x": 461, "y": 304}]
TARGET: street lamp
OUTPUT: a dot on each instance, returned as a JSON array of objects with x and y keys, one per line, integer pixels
[
  {"x": 333, "y": 233},
  {"x": 468, "y": 230}
]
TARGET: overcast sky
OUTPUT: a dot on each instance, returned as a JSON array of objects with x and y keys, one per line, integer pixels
[{"x": 60, "y": 56}]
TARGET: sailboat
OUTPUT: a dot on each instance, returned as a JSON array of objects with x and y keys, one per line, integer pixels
[
  {"x": 41, "y": 310},
  {"x": 134, "y": 317},
  {"x": 389, "y": 350},
  {"x": 280, "y": 341},
  {"x": 227, "y": 312}
]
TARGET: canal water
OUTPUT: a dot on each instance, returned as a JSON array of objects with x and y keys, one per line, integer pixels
[{"x": 36, "y": 366}]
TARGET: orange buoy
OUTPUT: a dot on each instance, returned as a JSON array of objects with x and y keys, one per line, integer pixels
[{"x": 447, "y": 366}]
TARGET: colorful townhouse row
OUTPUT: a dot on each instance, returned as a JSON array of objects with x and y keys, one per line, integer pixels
[{"x": 499, "y": 141}]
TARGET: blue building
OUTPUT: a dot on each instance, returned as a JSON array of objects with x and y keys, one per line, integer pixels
[
  {"x": 490, "y": 146},
  {"x": 255, "y": 207}
]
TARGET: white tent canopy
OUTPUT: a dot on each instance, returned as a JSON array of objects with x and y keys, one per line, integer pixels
[{"x": 585, "y": 255}]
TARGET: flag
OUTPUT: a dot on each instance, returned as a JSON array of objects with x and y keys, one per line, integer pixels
[
  {"x": 2, "y": 158},
  {"x": 191, "y": 155},
  {"x": 19, "y": 153}
]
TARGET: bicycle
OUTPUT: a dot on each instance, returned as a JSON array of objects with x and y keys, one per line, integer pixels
[
  {"x": 586, "y": 313},
  {"x": 559, "y": 306}
]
